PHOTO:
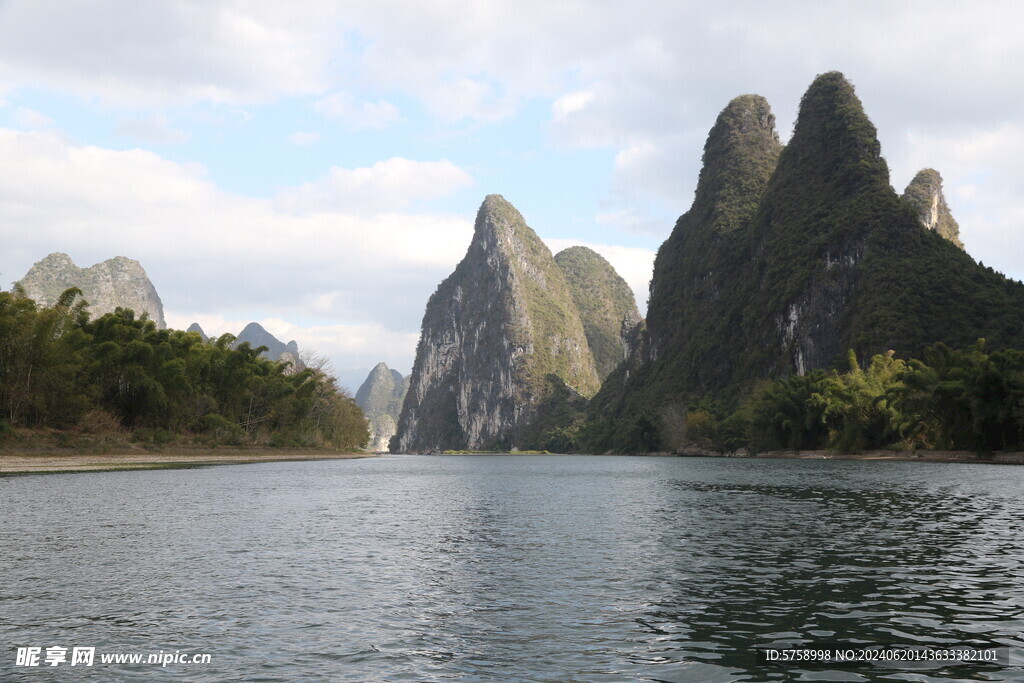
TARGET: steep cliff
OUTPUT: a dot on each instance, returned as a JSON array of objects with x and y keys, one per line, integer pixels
[
  {"x": 924, "y": 193},
  {"x": 817, "y": 255},
  {"x": 605, "y": 304},
  {"x": 381, "y": 397},
  {"x": 493, "y": 333},
  {"x": 117, "y": 282}
]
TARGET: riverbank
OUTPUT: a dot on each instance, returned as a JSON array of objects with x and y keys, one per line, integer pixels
[
  {"x": 169, "y": 457},
  {"x": 25, "y": 451},
  {"x": 1008, "y": 458}
]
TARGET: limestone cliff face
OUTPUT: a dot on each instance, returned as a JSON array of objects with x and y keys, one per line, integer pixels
[
  {"x": 605, "y": 304},
  {"x": 924, "y": 193},
  {"x": 381, "y": 397},
  {"x": 493, "y": 334},
  {"x": 117, "y": 282}
]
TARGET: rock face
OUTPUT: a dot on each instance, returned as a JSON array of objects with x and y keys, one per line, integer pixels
[
  {"x": 117, "y": 282},
  {"x": 924, "y": 193},
  {"x": 605, "y": 304},
  {"x": 494, "y": 335},
  {"x": 789, "y": 258},
  {"x": 381, "y": 397},
  {"x": 256, "y": 335}
]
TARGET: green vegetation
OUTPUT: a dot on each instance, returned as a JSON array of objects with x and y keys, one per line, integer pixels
[
  {"x": 604, "y": 302},
  {"x": 555, "y": 323},
  {"x": 961, "y": 399},
  {"x": 788, "y": 259},
  {"x": 60, "y": 370},
  {"x": 953, "y": 399},
  {"x": 560, "y": 416}
]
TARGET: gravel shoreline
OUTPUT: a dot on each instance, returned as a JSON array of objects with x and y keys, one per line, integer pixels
[{"x": 43, "y": 463}]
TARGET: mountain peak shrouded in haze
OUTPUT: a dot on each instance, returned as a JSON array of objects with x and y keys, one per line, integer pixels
[
  {"x": 817, "y": 257},
  {"x": 496, "y": 333},
  {"x": 195, "y": 327},
  {"x": 117, "y": 282},
  {"x": 256, "y": 336},
  {"x": 381, "y": 397},
  {"x": 925, "y": 194},
  {"x": 605, "y": 304}
]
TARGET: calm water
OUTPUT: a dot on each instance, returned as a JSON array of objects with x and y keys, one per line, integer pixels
[{"x": 511, "y": 568}]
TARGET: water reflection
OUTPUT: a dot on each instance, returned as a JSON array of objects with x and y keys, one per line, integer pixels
[{"x": 851, "y": 561}]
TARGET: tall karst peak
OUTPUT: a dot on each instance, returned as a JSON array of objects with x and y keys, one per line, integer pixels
[
  {"x": 381, "y": 397},
  {"x": 605, "y": 304},
  {"x": 118, "y": 282},
  {"x": 739, "y": 156},
  {"x": 703, "y": 254},
  {"x": 494, "y": 334},
  {"x": 833, "y": 130},
  {"x": 925, "y": 194}
]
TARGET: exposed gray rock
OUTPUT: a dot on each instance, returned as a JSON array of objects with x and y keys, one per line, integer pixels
[
  {"x": 117, "y": 282},
  {"x": 381, "y": 397},
  {"x": 494, "y": 334},
  {"x": 924, "y": 193}
]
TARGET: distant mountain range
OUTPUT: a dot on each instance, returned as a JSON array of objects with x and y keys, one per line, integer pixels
[{"x": 255, "y": 335}]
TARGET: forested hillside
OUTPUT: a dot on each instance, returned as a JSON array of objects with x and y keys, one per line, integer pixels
[{"x": 790, "y": 260}]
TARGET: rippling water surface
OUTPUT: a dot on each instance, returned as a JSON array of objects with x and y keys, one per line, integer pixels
[{"x": 509, "y": 568}]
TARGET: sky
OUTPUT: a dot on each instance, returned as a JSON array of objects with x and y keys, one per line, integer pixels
[{"x": 316, "y": 166}]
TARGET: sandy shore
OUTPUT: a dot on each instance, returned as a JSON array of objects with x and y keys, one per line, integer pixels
[{"x": 39, "y": 463}]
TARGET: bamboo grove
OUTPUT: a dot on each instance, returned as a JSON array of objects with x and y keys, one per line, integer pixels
[
  {"x": 952, "y": 399},
  {"x": 61, "y": 370}
]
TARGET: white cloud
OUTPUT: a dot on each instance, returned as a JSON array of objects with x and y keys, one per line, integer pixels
[
  {"x": 571, "y": 103},
  {"x": 303, "y": 139},
  {"x": 152, "y": 128},
  {"x": 982, "y": 184},
  {"x": 634, "y": 264},
  {"x": 174, "y": 52},
  {"x": 360, "y": 263},
  {"x": 386, "y": 186},
  {"x": 358, "y": 115},
  {"x": 30, "y": 119}
]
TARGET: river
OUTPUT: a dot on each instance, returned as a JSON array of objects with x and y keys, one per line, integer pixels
[{"x": 510, "y": 568}]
